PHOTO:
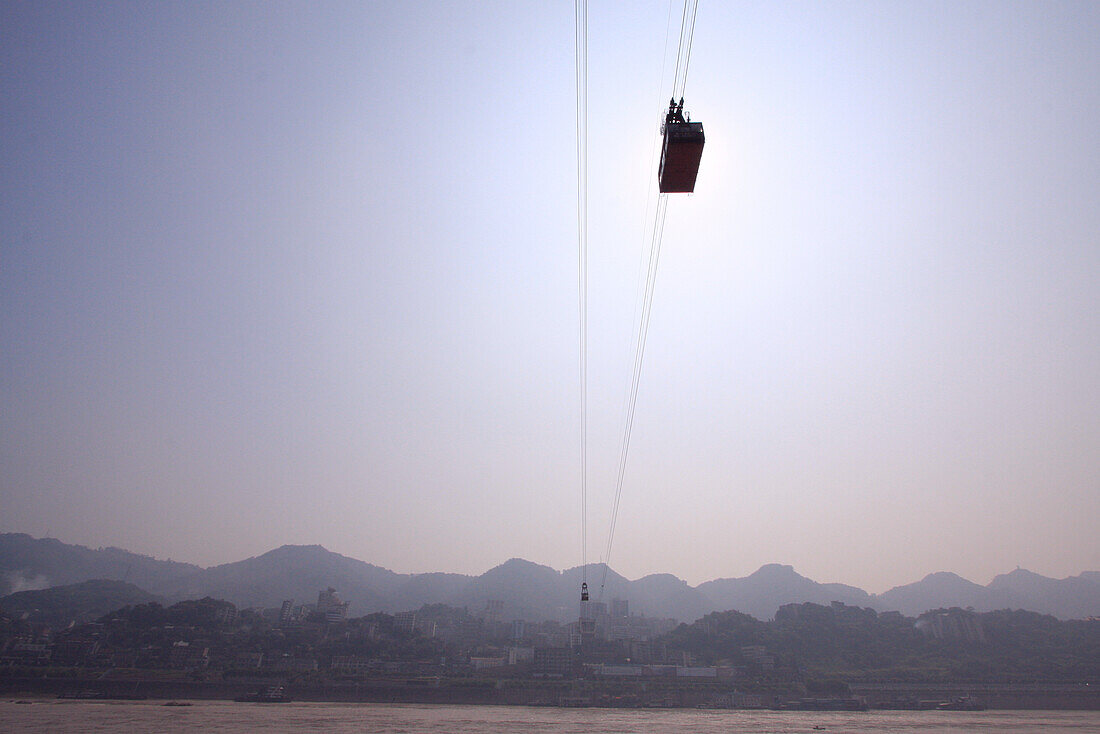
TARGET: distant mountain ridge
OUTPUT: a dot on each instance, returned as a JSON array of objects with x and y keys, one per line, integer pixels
[
  {"x": 528, "y": 590},
  {"x": 27, "y": 564},
  {"x": 1075, "y": 597},
  {"x": 774, "y": 585},
  {"x": 80, "y": 602}
]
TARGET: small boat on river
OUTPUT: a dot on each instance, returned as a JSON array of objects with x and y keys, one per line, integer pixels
[{"x": 268, "y": 694}]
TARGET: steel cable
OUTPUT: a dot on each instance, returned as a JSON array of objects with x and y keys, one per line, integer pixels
[
  {"x": 580, "y": 10},
  {"x": 683, "y": 54}
]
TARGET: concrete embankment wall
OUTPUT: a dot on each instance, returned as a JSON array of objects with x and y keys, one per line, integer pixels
[
  {"x": 535, "y": 693},
  {"x": 1021, "y": 696},
  {"x": 397, "y": 692}
]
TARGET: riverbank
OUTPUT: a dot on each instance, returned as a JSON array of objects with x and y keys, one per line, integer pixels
[{"x": 572, "y": 693}]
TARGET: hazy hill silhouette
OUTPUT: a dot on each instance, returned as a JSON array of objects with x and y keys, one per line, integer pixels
[
  {"x": 528, "y": 590},
  {"x": 941, "y": 589},
  {"x": 773, "y": 585},
  {"x": 28, "y": 563},
  {"x": 81, "y": 602},
  {"x": 291, "y": 572},
  {"x": 1074, "y": 597}
]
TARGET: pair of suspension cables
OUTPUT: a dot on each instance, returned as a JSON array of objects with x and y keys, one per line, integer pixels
[{"x": 656, "y": 235}]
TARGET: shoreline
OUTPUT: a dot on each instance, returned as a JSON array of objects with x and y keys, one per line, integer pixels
[{"x": 565, "y": 694}]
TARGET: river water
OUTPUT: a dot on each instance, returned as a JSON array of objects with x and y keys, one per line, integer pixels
[{"x": 46, "y": 715}]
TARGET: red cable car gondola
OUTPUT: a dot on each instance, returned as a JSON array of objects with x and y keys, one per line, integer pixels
[{"x": 681, "y": 152}]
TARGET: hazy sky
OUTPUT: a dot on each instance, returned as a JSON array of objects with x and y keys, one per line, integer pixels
[{"x": 306, "y": 273}]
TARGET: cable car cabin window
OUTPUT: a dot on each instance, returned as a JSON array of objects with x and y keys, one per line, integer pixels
[{"x": 683, "y": 147}]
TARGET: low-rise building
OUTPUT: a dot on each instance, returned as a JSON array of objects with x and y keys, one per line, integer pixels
[
  {"x": 483, "y": 663},
  {"x": 553, "y": 662},
  {"x": 517, "y": 655},
  {"x": 351, "y": 663}
]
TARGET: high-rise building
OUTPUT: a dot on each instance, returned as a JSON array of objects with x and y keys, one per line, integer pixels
[
  {"x": 331, "y": 606},
  {"x": 286, "y": 612},
  {"x": 620, "y": 608},
  {"x": 586, "y": 623},
  {"x": 404, "y": 621},
  {"x": 327, "y": 598},
  {"x": 494, "y": 609},
  {"x": 337, "y": 612}
]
